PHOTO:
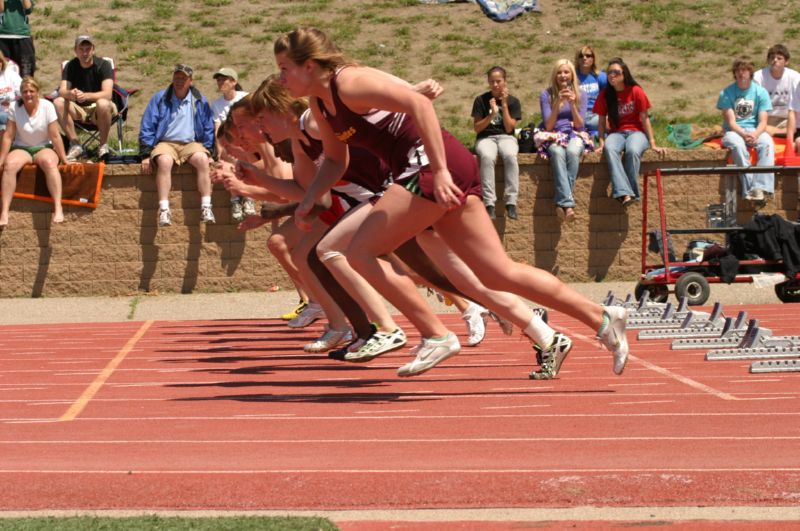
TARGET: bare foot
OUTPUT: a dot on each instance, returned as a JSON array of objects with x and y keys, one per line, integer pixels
[
  {"x": 58, "y": 217},
  {"x": 3, "y": 222}
]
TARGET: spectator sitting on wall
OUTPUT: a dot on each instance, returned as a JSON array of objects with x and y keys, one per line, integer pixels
[
  {"x": 745, "y": 106},
  {"x": 782, "y": 84},
  {"x": 177, "y": 126},
  {"x": 85, "y": 92}
]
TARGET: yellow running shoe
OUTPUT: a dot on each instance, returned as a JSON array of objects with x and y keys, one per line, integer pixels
[{"x": 295, "y": 312}]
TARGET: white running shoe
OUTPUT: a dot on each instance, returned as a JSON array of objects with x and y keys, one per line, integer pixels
[
  {"x": 164, "y": 217},
  {"x": 310, "y": 313},
  {"x": 75, "y": 152},
  {"x": 207, "y": 215},
  {"x": 378, "y": 343},
  {"x": 237, "y": 212},
  {"x": 476, "y": 316},
  {"x": 552, "y": 357},
  {"x": 430, "y": 353},
  {"x": 613, "y": 336},
  {"x": 249, "y": 206},
  {"x": 330, "y": 340}
]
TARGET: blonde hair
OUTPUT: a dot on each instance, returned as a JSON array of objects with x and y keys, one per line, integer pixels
[
  {"x": 553, "y": 89},
  {"x": 28, "y": 80},
  {"x": 272, "y": 96},
  {"x": 304, "y": 44},
  {"x": 3, "y": 62},
  {"x": 589, "y": 49}
]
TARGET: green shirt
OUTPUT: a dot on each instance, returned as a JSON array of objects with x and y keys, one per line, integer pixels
[{"x": 15, "y": 19}]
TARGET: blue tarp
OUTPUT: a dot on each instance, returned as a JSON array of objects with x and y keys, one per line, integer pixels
[{"x": 497, "y": 10}]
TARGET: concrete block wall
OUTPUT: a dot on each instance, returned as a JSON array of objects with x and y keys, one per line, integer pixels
[{"x": 118, "y": 249}]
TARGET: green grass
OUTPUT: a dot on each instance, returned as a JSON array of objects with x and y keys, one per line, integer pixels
[{"x": 148, "y": 523}]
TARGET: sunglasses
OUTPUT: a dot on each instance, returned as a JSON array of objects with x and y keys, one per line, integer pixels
[
  {"x": 615, "y": 72},
  {"x": 587, "y": 55}
]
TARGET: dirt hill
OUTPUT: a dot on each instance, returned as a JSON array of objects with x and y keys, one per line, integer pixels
[{"x": 679, "y": 50}]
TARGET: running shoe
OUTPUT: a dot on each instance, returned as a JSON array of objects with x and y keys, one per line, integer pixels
[
  {"x": 295, "y": 312},
  {"x": 329, "y": 340},
  {"x": 75, "y": 152},
  {"x": 476, "y": 316},
  {"x": 164, "y": 217},
  {"x": 430, "y": 353},
  {"x": 552, "y": 357},
  {"x": 237, "y": 212},
  {"x": 612, "y": 337},
  {"x": 379, "y": 343},
  {"x": 353, "y": 346},
  {"x": 248, "y": 206},
  {"x": 310, "y": 313},
  {"x": 207, "y": 215}
]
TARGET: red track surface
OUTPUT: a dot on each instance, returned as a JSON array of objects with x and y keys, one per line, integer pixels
[{"x": 231, "y": 415}]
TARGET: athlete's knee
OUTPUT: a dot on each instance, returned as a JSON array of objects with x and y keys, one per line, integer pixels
[{"x": 277, "y": 245}]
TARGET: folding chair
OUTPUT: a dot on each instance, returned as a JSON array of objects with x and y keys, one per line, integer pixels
[{"x": 120, "y": 98}]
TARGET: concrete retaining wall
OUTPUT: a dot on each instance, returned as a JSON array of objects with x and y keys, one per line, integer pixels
[{"x": 117, "y": 249}]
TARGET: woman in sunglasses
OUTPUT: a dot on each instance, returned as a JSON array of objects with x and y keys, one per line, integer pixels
[
  {"x": 591, "y": 82},
  {"x": 622, "y": 110}
]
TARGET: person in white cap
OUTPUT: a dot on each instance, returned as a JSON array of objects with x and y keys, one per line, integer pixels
[
  {"x": 85, "y": 94},
  {"x": 231, "y": 91}
]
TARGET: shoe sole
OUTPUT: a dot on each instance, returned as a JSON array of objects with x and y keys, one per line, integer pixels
[{"x": 429, "y": 367}]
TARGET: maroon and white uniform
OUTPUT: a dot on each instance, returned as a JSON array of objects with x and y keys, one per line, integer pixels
[{"x": 394, "y": 138}]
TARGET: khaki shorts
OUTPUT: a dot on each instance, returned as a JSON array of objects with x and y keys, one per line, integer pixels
[
  {"x": 87, "y": 113},
  {"x": 777, "y": 121},
  {"x": 180, "y": 153}
]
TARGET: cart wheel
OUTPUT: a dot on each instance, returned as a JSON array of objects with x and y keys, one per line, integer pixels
[
  {"x": 788, "y": 291},
  {"x": 658, "y": 292},
  {"x": 694, "y": 287}
]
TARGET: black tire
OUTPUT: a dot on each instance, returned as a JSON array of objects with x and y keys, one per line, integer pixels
[
  {"x": 694, "y": 287},
  {"x": 658, "y": 292},
  {"x": 788, "y": 291}
]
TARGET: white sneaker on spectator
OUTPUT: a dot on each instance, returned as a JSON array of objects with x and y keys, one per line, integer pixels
[
  {"x": 164, "y": 217},
  {"x": 103, "y": 151},
  {"x": 207, "y": 215},
  {"x": 476, "y": 316},
  {"x": 249, "y": 206},
  {"x": 237, "y": 213},
  {"x": 75, "y": 152},
  {"x": 310, "y": 313},
  {"x": 430, "y": 353}
]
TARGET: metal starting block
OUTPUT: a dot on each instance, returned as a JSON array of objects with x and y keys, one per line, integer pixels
[
  {"x": 759, "y": 347},
  {"x": 730, "y": 335},
  {"x": 775, "y": 366},
  {"x": 672, "y": 319}
]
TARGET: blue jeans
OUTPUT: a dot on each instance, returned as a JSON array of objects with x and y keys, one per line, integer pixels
[
  {"x": 590, "y": 122},
  {"x": 625, "y": 176},
  {"x": 740, "y": 154},
  {"x": 565, "y": 162}
]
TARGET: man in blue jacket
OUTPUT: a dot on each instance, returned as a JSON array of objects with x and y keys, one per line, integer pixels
[{"x": 177, "y": 127}]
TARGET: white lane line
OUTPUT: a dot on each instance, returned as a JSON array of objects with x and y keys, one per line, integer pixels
[
  {"x": 684, "y": 380},
  {"x": 517, "y": 407},
  {"x": 637, "y": 384},
  {"x": 643, "y": 402},
  {"x": 402, "y": 471}
]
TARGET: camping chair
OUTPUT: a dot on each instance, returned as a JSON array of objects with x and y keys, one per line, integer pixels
[{"x": 120, "y": 98}]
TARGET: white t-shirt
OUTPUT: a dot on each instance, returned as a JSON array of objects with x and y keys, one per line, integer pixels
[
  {"x": 9, "y": 87},
  {"x": 32, "y": 130},
  {"x": 221, "y": 106},
  {"x": 783, "y": 92}
]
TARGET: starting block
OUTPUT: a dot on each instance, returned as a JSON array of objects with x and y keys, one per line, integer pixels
[
  {"x": 775, "y": 366},
  {"x": 759, "y": 346},
  {"x": 693, "y": 331},
  {"x": 673, "y": 319}
]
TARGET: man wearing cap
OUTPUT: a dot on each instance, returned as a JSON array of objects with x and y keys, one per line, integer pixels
[
  {"x": 85, "y": 94},
  {"x": 228, "y": 85},
  {"x": 177, "y": 126}
]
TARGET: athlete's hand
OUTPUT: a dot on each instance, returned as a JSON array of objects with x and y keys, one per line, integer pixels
[
  {"x": 447, "y": 194},
  {"x": 301, "y": 216},
  {"x": 246, "y": 171},
  {"x": 429, "y": 88}
]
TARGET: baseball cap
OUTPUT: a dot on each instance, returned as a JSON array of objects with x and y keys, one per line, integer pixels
[
  {"x": 186, "y": 69},
  {"x": 227, "y": 72},
  {"x": 84, "y": 38}
]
